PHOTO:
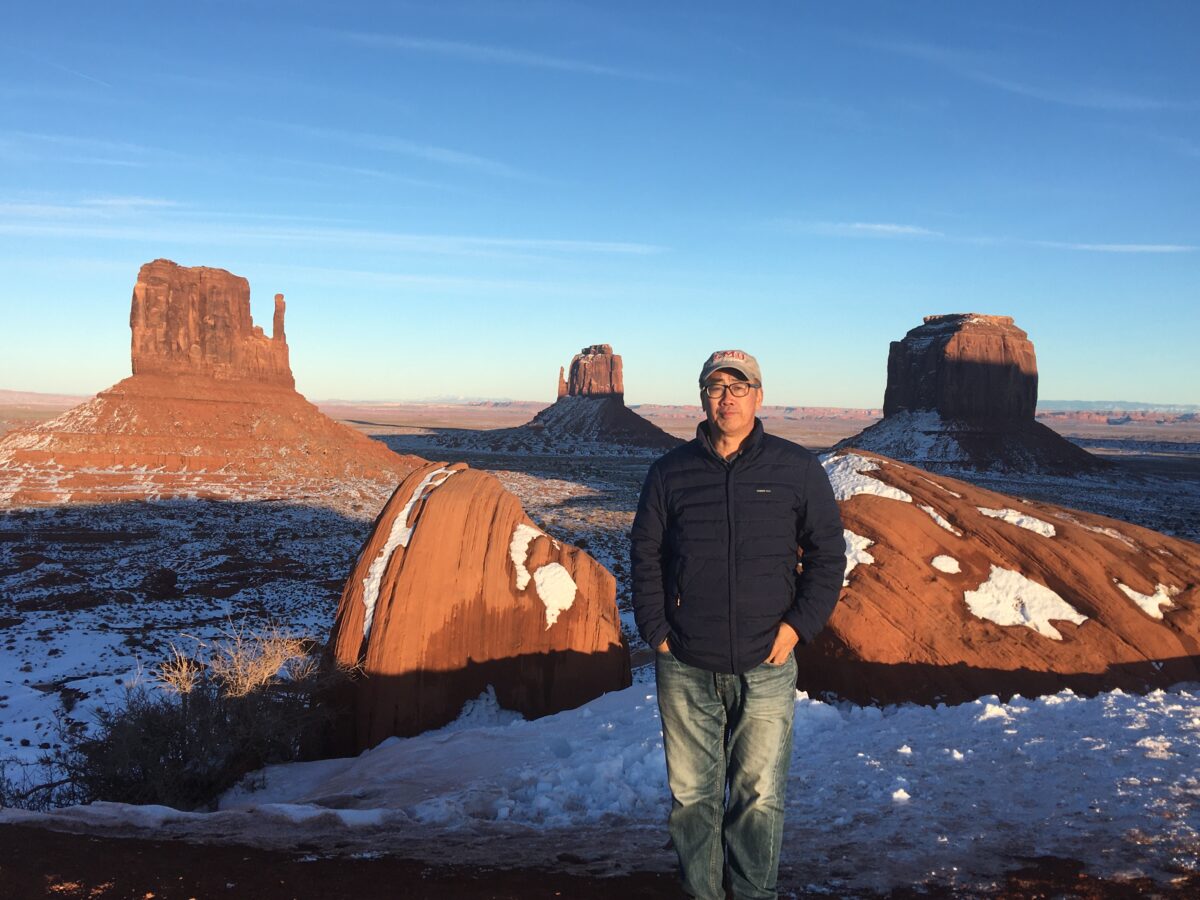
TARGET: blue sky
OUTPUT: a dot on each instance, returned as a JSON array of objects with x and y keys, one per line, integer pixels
[{"x": 456, "y": 197}]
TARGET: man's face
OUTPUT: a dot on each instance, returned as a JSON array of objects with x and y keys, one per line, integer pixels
[{"x": 729, "y": 415}]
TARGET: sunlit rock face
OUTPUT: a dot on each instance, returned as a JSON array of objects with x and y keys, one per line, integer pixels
[
  {"x": 211, "y": 412},
  {"x": 595, "y": 371},
  {"x": 457, "y": 590},
  {"x": 196, "y": 321},
  {"x": 962, "y": 393},
  {"x": 955, "y": 592}
]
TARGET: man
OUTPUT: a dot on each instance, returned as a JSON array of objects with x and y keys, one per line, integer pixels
[{"x": 716, "y": 591}]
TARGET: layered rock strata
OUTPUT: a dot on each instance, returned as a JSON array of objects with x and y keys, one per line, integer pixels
[
  {"x": 209, "y": 413},
  {"x": 961, "y": 393},
  {"x": 457, "y": 590},
  {"x": 955, "y": 592}
]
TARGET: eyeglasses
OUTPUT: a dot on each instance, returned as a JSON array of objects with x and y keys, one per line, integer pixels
[{"x": 737, "y": 388}]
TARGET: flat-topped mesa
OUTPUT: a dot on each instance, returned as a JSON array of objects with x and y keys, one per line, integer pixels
[
  {"x": 963, "y": 366},
  {"x": 961, "y": 395},
  {"x": 196, "y": 321},
  {"x": 595, "y": 372}
]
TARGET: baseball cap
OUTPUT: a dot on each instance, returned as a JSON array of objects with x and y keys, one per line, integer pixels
[{"x": 738, "y": 360}]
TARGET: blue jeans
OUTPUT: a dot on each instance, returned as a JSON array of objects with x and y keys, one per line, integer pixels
[{"x": 727, "y": 732}]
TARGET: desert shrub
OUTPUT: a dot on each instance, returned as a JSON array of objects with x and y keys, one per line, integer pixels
[{"x": 206, "y": 725}]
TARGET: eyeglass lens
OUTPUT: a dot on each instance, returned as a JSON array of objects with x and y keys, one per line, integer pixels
[{"x": 737, "y": 388}]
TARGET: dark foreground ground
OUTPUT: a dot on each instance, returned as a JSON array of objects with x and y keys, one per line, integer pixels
[{"x": 38, "y": 863}]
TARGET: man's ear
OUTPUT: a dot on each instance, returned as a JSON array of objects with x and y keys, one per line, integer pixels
[{"x": 759, "y": 402}]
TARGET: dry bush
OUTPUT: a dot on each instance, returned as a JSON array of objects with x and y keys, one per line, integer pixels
[
  {"x": 180, "y": 673},
  {"x": 253, "y": 703},
  {"x": 244, "y": 662}
]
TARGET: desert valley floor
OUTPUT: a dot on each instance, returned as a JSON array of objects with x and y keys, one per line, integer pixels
[{"x": 93, "y": 597}]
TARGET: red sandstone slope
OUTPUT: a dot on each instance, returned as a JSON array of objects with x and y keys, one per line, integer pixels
[
  {"x": 960, "y": 592},
  {"x": 211, "y": 412},
  {"x": 455, "y": 590}
]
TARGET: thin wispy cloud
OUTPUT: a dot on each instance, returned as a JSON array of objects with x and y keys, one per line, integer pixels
[
  {"x": 79, "y": 220},
  {"x": 89, "y": 207},
  {"x": 367, "y": 172},
  {"x": 33, "y": 146},
  {"x": 55, "y": 64},
  {"x": 865, "y": 229},
  {"x": 129, "y": 203},
  {"x": 1116, "y": 248},
  {"x": 974, "y": 68},
  {"x": 885, "y": 230},
  {"x": 491, "y": 54},
  {"x": 403, "y": 146}
]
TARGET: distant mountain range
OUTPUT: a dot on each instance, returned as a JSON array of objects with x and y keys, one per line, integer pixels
[
  {"x": 1111, "y": 405},
  {"x": 33, "y": 398}
]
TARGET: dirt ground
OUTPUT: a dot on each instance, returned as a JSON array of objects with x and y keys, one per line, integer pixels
[{"x": 39, "y": 863}]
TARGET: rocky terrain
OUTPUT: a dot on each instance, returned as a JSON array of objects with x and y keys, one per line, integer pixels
[
  {"x": 211, "y": 411},
  {"x": 961, "y": 590}
]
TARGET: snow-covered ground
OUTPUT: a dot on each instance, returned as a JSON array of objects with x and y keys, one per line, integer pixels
[
  {"x": 92, "y": 597},
  {"x": 877, "y": 797}
]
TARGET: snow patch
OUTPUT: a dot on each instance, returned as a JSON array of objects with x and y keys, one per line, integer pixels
[
  {"x": 1096, "y": 529},
  {"x": 1020, "y": 519},
  {"x": 846, "y": 475},
  {"x": 1151, "y": 604},
  {"x": 941, "y": 487},
  {"x": 518, "y": 551},
  {"x": 1009, "y": 598},
  {"x": 556, "y": 588},
  {"x": 946, "y": 564},
  {"x": 856, "y": 552},
  {"x": 937, "y": 517},
  {"x": 399, "y": 536}
]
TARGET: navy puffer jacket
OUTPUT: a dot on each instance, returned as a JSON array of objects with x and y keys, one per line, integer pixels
[{"x": 714, "y": 550}]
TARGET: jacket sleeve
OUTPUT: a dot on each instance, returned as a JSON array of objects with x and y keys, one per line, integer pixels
[
  {"x": 819, "y": 535},
  {"x": 646, "y": 540}
]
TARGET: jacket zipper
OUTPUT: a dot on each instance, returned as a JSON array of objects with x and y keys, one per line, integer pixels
[{"x": 732, "y": 536}]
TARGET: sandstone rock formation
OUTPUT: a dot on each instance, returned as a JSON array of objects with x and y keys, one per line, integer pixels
[
  {"x": 955, "y": 592},
  {"x": 595, "y": 372},
  {"x": 210, "y": 412},
  {"x": 589, "y": 416},
  {"x": 961, "y": 393},
  {"x": 963, "y": 366},
  {"x": 196, "y": 321},
  {"x": 455, "y": 590}
]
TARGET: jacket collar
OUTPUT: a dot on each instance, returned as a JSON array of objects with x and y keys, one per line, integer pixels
[{"x": 750, "y": 446}]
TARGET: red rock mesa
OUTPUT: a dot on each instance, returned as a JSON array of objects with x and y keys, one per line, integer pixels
[
  {"x": 455, "y": 590},
  {"x": 954, "y": 592},
  {"x": 589, "y": 415},
  {"x": 595, "y": 372},
  {"x": 211, "y": 411},
  {"x": 961, "y": 394}
]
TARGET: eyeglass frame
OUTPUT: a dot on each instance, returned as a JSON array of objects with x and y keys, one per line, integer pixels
[{"x": 706, "y": 389}]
